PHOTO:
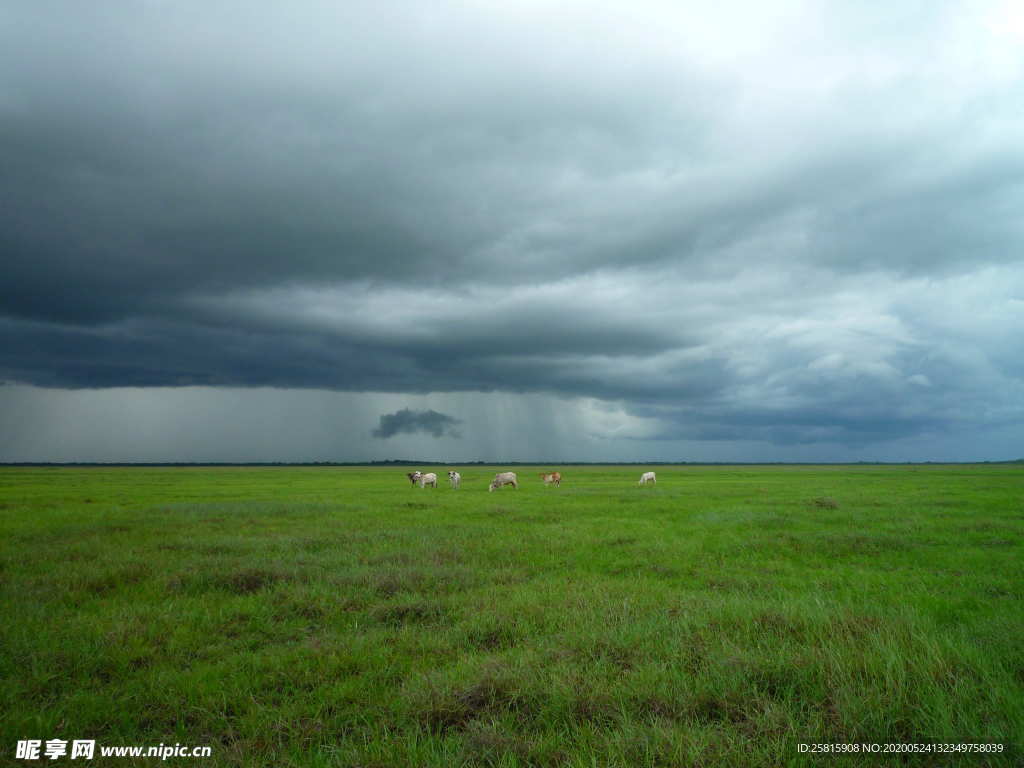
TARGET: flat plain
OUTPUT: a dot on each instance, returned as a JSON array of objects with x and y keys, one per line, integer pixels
[{"x": 337, "y": 616}]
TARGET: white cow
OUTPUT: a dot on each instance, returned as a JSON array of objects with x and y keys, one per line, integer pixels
[
  {"x": 454, "y": 479},
  {"x": 428, "y": 479},
  {"x": 504, "y": 478},
  {"x": 648, "y": 477}
]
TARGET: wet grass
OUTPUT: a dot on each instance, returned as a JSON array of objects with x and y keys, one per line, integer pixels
[{"x": 338, "y": 617}]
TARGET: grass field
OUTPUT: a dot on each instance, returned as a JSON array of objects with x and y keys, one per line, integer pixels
[{"x": 330, "y": 616}]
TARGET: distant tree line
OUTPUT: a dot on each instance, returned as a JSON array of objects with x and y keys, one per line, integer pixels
[{"x": 410, "y": 463}]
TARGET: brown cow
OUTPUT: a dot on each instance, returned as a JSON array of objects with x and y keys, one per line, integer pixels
[{"x": 551, "y": 478}]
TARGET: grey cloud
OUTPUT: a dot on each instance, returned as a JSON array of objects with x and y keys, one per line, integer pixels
[
  {"x": 406, "y": 421},
  {"x": 660, "y": 210}
]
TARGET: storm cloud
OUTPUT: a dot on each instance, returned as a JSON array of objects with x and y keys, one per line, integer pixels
[
  {"x": 407, "y": 421},
  {"x": 788, "y": 224}
]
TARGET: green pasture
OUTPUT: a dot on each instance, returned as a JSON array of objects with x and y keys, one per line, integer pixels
[{"x": 337, "y": 616}]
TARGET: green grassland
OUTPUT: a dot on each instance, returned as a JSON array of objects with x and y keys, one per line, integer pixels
[{"x": 336, "y": 616}]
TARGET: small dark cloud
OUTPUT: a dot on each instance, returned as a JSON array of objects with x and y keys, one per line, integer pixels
[{"x": 407, "y": 421}]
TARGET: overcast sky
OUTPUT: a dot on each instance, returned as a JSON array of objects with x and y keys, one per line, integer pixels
[{"x": 511, "y": 231}]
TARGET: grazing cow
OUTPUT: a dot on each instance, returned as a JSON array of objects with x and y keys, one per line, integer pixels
[
  {"x": 551, "y": 478},
  {"x": 414, "y": 477},
  {"x": 454, "y": 479},
  {"x": 428, "y": 479},
  {"x": 504, "y": 478},
  {"x": 648, "y": 477}
]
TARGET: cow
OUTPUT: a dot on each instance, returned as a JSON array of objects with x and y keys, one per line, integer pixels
[
  {"x": 454, "y": 479},
  {"x": 504, "y": 478},
  {"x": 428, "y": 479},
  {"x": 414, "y": 477},
  {"x": 550, "y": 478},
  {"x": 648, "y": 477}
]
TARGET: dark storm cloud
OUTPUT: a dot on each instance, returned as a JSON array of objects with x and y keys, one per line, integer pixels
[
  {"x": 406, "y": 421},
  {"x": 758, "y": 231}
]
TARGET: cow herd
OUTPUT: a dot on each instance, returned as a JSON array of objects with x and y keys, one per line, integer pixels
[{"x": 502, "y": 479}]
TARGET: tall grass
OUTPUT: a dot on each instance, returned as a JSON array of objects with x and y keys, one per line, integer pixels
[{"x": 339, "y": 617}]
